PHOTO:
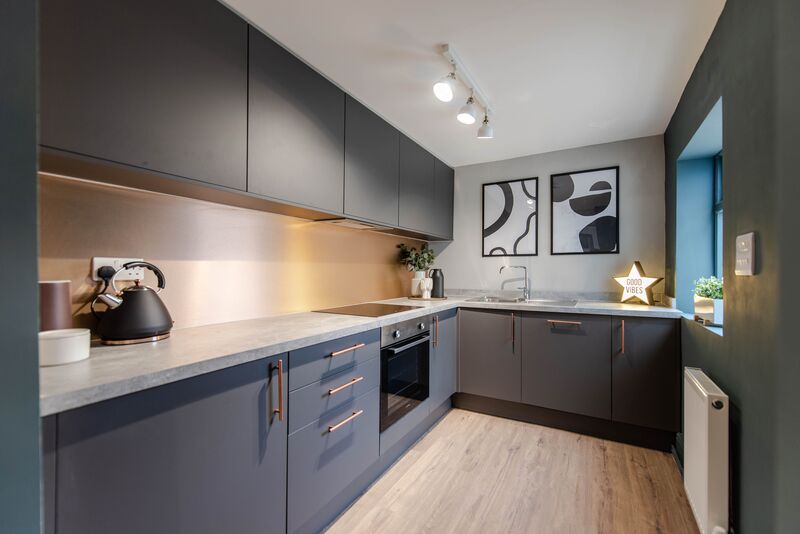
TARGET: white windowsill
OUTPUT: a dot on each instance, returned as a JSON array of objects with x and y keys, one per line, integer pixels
[{"x": 713, "y": 329}]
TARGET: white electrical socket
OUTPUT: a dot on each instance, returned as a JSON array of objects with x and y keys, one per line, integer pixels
[{"x": 137, "y": 273}]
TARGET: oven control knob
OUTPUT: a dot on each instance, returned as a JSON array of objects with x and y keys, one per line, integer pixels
[
  {"x": 421, "y": 326},
  {"x": 396, "y": 334}
]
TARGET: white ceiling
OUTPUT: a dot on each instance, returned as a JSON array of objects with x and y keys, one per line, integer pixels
[{"x": 558, "y": 73}]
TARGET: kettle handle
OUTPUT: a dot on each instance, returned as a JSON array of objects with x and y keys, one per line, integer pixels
[{"x": 162, "y": 283}]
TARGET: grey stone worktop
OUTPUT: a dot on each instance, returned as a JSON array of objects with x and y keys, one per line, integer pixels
[{"x": 115, "y": 371}]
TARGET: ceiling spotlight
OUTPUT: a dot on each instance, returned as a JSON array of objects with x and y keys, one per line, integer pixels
[
  {"x": 468, "y": 112},
  {"x": 443, "y": 89},
  {"x": 486, "y": 131}
]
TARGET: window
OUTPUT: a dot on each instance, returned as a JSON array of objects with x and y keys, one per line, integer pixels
[{"x": 717, "y": 214}]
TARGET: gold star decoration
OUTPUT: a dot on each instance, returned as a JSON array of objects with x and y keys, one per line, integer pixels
[{"x": 637, "y": 285}]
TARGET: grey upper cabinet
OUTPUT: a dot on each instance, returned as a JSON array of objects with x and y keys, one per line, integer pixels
[
  {"x": 566, "y": 363},
  {"x": 371, "y": 166},
  {"x": 203, "y": 455},
  {"x": 417, "y": 188},
  {"x": 444, "y": 357},
  {"x": 489, "y": 354},
  {"x": 296, "y": 130},
  {"x": 156, "y": 85},
  {"x": 443, "y": 192},
  {"x": 645, "y": 376}
]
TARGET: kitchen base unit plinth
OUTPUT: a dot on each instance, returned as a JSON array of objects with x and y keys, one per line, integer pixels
[{"x": 591, "y": 426}]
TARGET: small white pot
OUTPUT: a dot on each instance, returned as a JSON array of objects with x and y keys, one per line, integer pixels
[
  {"x": 57, "y": 347},
  {"x": 417, "y": 283},
  {"x": 709, "y": 310}
]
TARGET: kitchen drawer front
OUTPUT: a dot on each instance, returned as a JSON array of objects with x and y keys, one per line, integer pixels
[
  {"x": 323, "y": 463},
  {"x": 332, "y": 394},
  {"x": 318, "y": 362},
  {"x": 566, "y": 363}
]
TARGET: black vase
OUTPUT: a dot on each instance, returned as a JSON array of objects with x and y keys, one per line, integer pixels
[{"x": 438, "y": 283}]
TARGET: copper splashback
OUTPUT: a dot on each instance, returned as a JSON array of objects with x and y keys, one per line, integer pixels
[{"x": 222, "y": 263}]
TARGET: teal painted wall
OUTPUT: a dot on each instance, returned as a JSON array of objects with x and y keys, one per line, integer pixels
[
  {"x": 694, "y": 229},
  {"x": 751, "y": 61},
  {"x": 19, "y": 319},
  {"x": 788, "y": 171}
]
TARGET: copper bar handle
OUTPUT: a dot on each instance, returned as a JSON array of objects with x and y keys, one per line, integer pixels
[
  {"x": 513, "y": 333},
  {"x": 348, "y": 349},
  {"x": 623, "y": 336},
  {"x": 436, "y": 331},
  {"x": 279, "y": 410},
  {"x": 353, "y": 382},
  {"x": 344, "y": 421},
  {"x": 557, "y": 321}
]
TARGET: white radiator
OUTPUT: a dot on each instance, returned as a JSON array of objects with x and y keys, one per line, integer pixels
[{"x": 705, "y": 450}]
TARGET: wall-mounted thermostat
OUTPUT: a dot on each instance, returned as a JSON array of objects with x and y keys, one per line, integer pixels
[{"x": 745, "y": 254}]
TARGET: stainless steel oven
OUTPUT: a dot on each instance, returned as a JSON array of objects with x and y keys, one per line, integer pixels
[{"x": 405, "y": 368}]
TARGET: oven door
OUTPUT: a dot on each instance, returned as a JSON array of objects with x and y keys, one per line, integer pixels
[{"x": 405, "y": 378}]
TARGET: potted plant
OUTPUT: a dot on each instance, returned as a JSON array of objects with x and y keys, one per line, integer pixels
[
  {"x": 708, "y": 300},
  {"x": 418, "y": 262}
]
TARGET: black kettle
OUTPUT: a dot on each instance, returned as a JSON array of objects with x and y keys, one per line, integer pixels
[{"x": 136, "y": 314}]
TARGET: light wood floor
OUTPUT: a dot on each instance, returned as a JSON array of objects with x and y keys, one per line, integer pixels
[{"x": 483, "y": 474}]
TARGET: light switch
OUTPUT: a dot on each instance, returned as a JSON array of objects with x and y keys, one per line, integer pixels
[{"x": 745, "y": 254}]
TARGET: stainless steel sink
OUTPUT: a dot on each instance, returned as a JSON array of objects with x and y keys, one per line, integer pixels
[
  {"x": 487, "y": 298},
  {"x": 520, "y": 300},
  {"x": 552, "y": 302}
]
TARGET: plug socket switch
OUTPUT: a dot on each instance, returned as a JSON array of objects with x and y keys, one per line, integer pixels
[{"x": 137, "y": 273}]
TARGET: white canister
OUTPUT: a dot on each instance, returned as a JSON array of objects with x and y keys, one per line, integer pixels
[{"x": 57, "y": 347}]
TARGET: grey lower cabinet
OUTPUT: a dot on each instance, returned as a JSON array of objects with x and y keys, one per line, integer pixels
[
  {"x": 324, "y": 360},
  {"x": 566, "y": 363},
  {"x": 334, "y": 423},
  {"x": 155, "y": 85},
  {"x": 489, "y": 354},
  {"x": 203, "y": 455},
  {"x": 371, "y": 166},
  {"x": 296, "y": 129},
  {"x": 327, "y": 455},
  {"x": 444, "y": 357},
  {"x": 645, "y": 372}
]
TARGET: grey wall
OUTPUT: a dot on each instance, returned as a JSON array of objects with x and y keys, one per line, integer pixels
[
  {"x": 694, "y": 227},
  {"x": 19, "y": 321},
  {"x": 641, "y": 196},
  {"x": 751, "y": 62}
]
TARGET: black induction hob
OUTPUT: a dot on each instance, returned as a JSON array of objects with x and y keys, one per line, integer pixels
[{"x": 370, "y": 309}]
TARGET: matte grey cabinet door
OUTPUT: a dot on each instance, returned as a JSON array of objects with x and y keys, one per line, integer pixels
[
  {"x": 444, "y": 357},
  {"x": 646, "y": 372},
  {"x": 296, "y": 129},
  {"x": 371, "y": 165},
  {"x": 328, "y": 454},
  {"x": 566, "y": 363},
  {"x": 332, "y": 393},
  {"x": 157, "y": 85},
  {"x": 323, "y": 360},
  {"x": 203, "y": 455},
  {"x": 444, "y": 190},
  {"x": 417, "y": 188},
  {"x": 489, "y": 354}
]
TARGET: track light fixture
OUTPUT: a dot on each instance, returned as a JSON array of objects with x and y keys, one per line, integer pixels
[
  {"x": 443, "y": 89},
  {"x": 486, "y": 131},
  {"x": 468, "y": 113}
]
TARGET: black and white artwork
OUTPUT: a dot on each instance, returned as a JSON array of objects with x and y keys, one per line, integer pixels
[
  {"x": 510, "y": 218},
  {"x": 584, "y": 214}
]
